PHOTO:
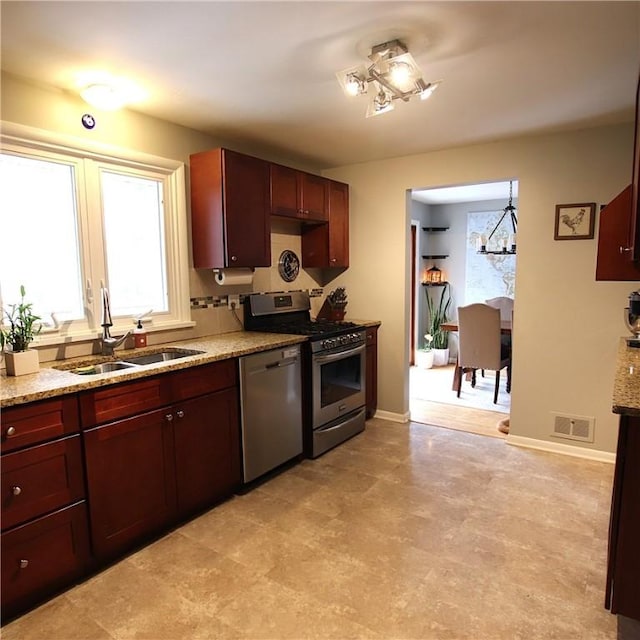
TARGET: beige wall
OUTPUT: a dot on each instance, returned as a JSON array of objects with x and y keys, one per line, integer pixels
[
  {"x": 51, "y": 109},
  {"x": 567, "y": 325}
]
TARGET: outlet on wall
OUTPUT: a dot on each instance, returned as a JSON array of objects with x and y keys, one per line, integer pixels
[{"x": 233, "y": 301}]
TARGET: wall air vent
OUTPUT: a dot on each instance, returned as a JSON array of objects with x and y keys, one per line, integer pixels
[{"x": 573, "y": 427}]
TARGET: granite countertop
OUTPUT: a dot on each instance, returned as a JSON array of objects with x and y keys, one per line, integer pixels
[
  {"x": 50, "y": 382},
  {"x": 626, "y": 388}
]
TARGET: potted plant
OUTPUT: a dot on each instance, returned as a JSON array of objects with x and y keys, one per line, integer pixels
[
  {"x": 438, "y": 311},
  {"x": 424, "y": 355},
  {"x": 22, "y": 328}
]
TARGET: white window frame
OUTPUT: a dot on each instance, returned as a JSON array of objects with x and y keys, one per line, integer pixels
[{"x": 88, "y": 157}]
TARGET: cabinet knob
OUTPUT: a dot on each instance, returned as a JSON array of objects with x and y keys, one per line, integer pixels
[
  {"x": 16, "y": 490},
  {"x": 10, "y": 432},
  {"x": 333, "y": 259},
  {"x": 624, "y": 250},
  {"x": 180, "y": 414},
  {"x": 234, "y": 258},
  {"x": 169, "y": 417},
  {"x": 24, "y": 564}
]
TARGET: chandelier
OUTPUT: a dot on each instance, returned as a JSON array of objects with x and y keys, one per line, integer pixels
[
  {"x": 394, "y": 75},
  {"x": 507, "y": 244}
]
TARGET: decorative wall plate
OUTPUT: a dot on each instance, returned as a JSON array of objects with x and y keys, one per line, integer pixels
[{"x": 288, "y": 265}]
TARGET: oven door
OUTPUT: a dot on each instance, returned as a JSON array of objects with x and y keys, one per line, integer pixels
[{"x": 338, "y": 383}]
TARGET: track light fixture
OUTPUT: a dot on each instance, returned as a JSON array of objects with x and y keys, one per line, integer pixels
[{"x": 393, "y": 74}]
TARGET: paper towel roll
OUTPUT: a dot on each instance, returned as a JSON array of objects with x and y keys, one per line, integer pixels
[{"x": 233, "y": 277}]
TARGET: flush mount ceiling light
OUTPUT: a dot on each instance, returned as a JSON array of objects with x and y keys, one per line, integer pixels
[
  {"x": 507, "y": 242},
  {"x": 110, "y": 94},
  {"x": 394, "y": 75}
]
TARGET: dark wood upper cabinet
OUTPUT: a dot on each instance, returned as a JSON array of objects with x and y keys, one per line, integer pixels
[
  {"x": 328, "y": 245},
  {"x": 297, "y": 194},
  {"x": 635, "y": 183},
  {"x": 619, "y": 231},
  {"x": 229, "y": 210}
]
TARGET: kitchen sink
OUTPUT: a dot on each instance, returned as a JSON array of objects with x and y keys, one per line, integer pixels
[
  {"x": 102, "y": 367},
  {"x": 127, "y": 362},
  {"x": 161, "y": 356}
]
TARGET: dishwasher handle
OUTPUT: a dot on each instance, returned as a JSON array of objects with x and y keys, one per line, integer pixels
[
  {"x": 279, "y": 363},
  {"x": 275, "y": 364}
]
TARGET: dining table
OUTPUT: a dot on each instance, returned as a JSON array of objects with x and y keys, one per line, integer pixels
[{"x": 452, "y": 325}]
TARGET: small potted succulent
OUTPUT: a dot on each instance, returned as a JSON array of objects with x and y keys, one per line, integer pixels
[{"x": 22, "y": 327}]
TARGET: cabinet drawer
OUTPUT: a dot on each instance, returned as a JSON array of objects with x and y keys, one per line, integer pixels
[
  {"x": 35, "y": 422},
  {"x": 40, "y": 479},
  {"x": 42, "y": 556},
  {"x": 122, "y": 400},
  {"x": 198, "y": 381}
]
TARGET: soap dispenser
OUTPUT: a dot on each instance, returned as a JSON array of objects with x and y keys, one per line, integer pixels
[{"x": 139, "y": 335}]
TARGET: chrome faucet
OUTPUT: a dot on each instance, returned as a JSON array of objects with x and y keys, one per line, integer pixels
[{"x": 107, "y": 342}]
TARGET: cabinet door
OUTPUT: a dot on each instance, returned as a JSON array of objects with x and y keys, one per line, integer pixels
[
  {"x": 285, "y": 200},
  {"x": 314, "y": 197},
  {"x": 207, "y": 452},
  {"x": 327, "y": 245},
  {"x": 623, "y": 595},
  {"x": 130, "y": 480},
  {"x": 43, "y": 556},
  {"x": 246, "y": 211},
  {"x": 372, "y": 371},
  {"x": 338, "y": 224},
  {"x": 230, "y": 224},
  {"x": 41, "y": 479}
]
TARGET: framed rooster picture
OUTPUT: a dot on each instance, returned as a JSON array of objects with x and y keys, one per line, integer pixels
[{"x": 575, "y": 221}]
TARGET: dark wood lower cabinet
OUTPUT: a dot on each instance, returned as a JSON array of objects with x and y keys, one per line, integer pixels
[
  {"x": 623, "y": 571},
  {"x": 372, "y": 371},
  {"x": 130, "y": 479},
  {"x": 207, "y": 456},
  {"x": 156, "y": 451},
  {"x": 42, "y": 556}
]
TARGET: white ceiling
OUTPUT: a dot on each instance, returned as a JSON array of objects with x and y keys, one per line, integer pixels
[
  {"x": 466, "y": 193},
  {"x": 262, "y": 74}
]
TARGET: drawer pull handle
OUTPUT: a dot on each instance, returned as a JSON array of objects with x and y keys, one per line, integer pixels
[
  {"x": 24, "y": 564},
  {"x": 169, "y": 417},
  {"x": 16, "y": 490},
  {"x": 180, "y": 414},
  {"x": 11, "y": 431}
]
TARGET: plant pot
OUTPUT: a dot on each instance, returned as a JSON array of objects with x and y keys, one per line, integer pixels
[
  {"x": 440, "y": 357},
  {"x": 424, "y": 359},
  {"x": 20, "y": 363}
]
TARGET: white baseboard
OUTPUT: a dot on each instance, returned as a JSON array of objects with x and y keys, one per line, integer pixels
[
  {"x": 392, "y": 417},
  {"x": 565, "y": 449}
]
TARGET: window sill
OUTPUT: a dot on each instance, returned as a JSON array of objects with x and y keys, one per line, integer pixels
[{"x": 53, "y": 338}]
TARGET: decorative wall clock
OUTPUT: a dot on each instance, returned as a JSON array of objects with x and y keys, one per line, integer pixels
[{"x": 288, "y": 265}]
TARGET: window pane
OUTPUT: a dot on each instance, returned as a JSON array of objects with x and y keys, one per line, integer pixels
[
  {"x": 38, "y": 218},
  {"x": 135, "y": 243}
]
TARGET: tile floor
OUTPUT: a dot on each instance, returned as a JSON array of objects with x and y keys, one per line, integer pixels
[{"x": 406, "y": 531}]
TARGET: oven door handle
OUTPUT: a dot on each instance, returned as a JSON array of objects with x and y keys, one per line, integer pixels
[{"x": 332, "y": 357}]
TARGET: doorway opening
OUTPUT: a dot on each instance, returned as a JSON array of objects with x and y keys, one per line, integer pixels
[{"x": 447, "y": 224}]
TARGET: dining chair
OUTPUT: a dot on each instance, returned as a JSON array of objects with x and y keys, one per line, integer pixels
[
  {"x": 503, "y": 303},
  {"x": 479, "y": 345}
]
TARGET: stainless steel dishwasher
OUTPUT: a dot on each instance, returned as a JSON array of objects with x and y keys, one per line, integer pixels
[{"x": 271, "y": 409}]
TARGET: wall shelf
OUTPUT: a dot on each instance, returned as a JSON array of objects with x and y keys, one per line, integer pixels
[
  {"x": 435, "y": 257},
  {"x": 435, "y": 228},
  {"x": 434, "y": 284}
]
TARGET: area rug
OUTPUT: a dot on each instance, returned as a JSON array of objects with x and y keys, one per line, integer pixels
[{"x": 434, "y": 385}]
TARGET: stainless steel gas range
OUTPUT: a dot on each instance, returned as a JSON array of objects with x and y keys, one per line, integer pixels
[{"x": 334, "y": 366}]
